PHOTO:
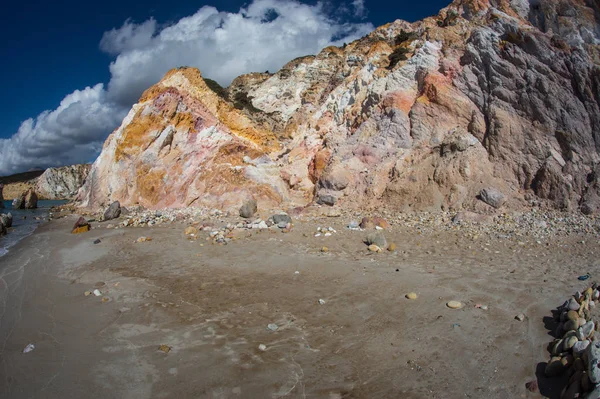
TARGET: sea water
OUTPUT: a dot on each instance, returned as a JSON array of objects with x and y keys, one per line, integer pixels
[{"x": 24, "y": 222}]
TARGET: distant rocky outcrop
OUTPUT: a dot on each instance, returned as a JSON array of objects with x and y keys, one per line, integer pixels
[
  {"x": 420, "y": 115},
  {"x": 63, "y": 182}
]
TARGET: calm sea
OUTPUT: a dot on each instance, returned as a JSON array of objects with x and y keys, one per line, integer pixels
[{"x": 24, "y": 222}]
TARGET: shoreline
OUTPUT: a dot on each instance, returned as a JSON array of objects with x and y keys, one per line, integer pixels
[{"x": 211, "y": 305}]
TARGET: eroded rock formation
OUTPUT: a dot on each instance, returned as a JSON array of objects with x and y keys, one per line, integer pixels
[
  {"x": 62, "y": 183},
  {"x": 498, "y": 95}
]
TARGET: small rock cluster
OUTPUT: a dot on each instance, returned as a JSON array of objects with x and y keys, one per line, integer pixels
[
  {"x": 576, "y": 350},
  {"x": 325, "y": 231},
  {"x": 142, "y": 217}
]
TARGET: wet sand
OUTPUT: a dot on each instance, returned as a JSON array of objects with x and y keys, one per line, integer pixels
[{"x": 212, "y": 303}]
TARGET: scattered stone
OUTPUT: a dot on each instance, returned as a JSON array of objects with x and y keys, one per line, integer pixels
[
  {"x": 262, "y": 347},
  {"x": 374, "y": 248},
  {"x": 327, "y": 199},
  {"x": 324, "y": 249},
  {"x": 376, "y": 238},
  {"x": 492, "y": 197},
  {"x": 520, "y": 317},
  {"x": 190, "y": 231},
  {"x": 124, "y": 310},
  {"x": 97, "y": 292},
  {"x": 392, "y": 247},
  {"x": 569, "y": 342},
  {"x": 165, "y": 348},
  {"x": 87, "y": 293},
  {"x": 97, "y": 241},
  {"x": 113, "y": 211},
  {"x": 248, "y": 209},
  {"x": 411, "y": 295},
  {"x": 471, "y": 217},
  {"x": 573, "y": 305},
  {"x": 354, "y": 225},
  {"x": 283, "y": 219},
  {"x": 367, "y": 223},
  {"x": 321, "y": 302},
  {"x": 588, "y": 329},
  {"x": 29, "y": 348},
  {"x": 454, "y": 305},
  {"x": 80, "y": 226},
  {"x": 143, "y": 239},
  {"x": 273, "y": 327}
]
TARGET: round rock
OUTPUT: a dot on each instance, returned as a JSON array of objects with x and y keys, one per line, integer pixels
[
  {"x": 411, "y": 295},
  {"x": 454, "y": 305}
]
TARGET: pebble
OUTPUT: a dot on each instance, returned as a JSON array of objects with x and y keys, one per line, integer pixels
[
  {"x": 454, "y": 305},
  {"x": 262, "y": 347},
  {"x": 374, "y": 248},
  {"x": 572, "y": 315},
  {"x": 97, "y": 292},
  {"x": 411, "y": 295},
  {"x": 273, "y": 327},
  {"x": 593, "y": 356},
  {"x": 321, "y": 302},
  {"x": 573, "y": 305},
  {"x": 520, "y": 317},
  {"x": 324, "y": 249},
  {"x": 392, "y": 247}
]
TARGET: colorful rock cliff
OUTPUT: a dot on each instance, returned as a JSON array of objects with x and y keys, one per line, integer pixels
[{"x": 500, "y": 95}]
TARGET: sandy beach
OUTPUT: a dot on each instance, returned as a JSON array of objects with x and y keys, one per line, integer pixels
[{"x": 211, "y": 306}]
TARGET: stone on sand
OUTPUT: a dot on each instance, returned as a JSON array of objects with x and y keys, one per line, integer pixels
[
  {"x": 248, "y": 209},
  {"x": 411, "y": 295},
  {"x": 113, "y": 211},
  {"x": 454, "y": 305},
  {"x": 376, "y": 238},
  {"x": 80, "y": 226}
]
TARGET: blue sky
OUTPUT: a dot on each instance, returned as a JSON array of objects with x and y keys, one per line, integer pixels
[{"x": 53, "y": 51}]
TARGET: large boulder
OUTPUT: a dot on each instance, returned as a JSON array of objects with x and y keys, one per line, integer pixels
[
  {"x": 492, "y": 197},
  {"x": 113, "y": 211},
  {"x": 30, "y": 199},
  {"x": 18, "y": 202}
]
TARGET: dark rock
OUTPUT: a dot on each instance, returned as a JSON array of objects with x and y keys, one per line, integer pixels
[
  {"x": 2, "y": 229},
  {"x": 248, "y": 209},
  {"x": 281, "y": 218},
  {"x": 80, "y": 226},
  {"x": 492, "y": 197},
  {"x": 327, "y": 199},
  {"x": 113, "y": 211},
  {"x": 98, "y": 241},
  {"x": 6, "y": 219}
]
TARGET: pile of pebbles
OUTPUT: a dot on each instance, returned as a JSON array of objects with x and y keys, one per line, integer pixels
[{"x": 576, "y": 351}]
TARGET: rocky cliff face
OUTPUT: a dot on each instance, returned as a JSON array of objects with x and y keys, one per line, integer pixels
[
  {"x": 502, "y": 94},
  {"x": 63, "y": 182}
]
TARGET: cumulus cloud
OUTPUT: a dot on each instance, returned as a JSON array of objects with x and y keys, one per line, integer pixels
[{"x": 264, "y": 35}]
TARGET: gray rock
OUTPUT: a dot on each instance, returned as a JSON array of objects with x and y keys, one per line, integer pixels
[
  {"x": 593, "y": 358},
  {"x": 248, "y": 209},
  {"x": 376, "y": 238},
  {"x": 326, "y": 199},
  {"x": 587, "y": 329},
  {"x": 580, "y": 347},
  {"x": 492, "y": 197},
  {"x": 353, "y": 225},
  {"x": 113, "y": 211},
  {"x": 273, "y": 327},
  {"x": 6, "y": 219},
  {"x": 281, "y": 218},
  {"x": 573, "y": 305}
]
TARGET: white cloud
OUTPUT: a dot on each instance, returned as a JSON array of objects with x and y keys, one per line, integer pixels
[
  {"x": 359, "y": 8},
  {"x": 263, "y": 36}
]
